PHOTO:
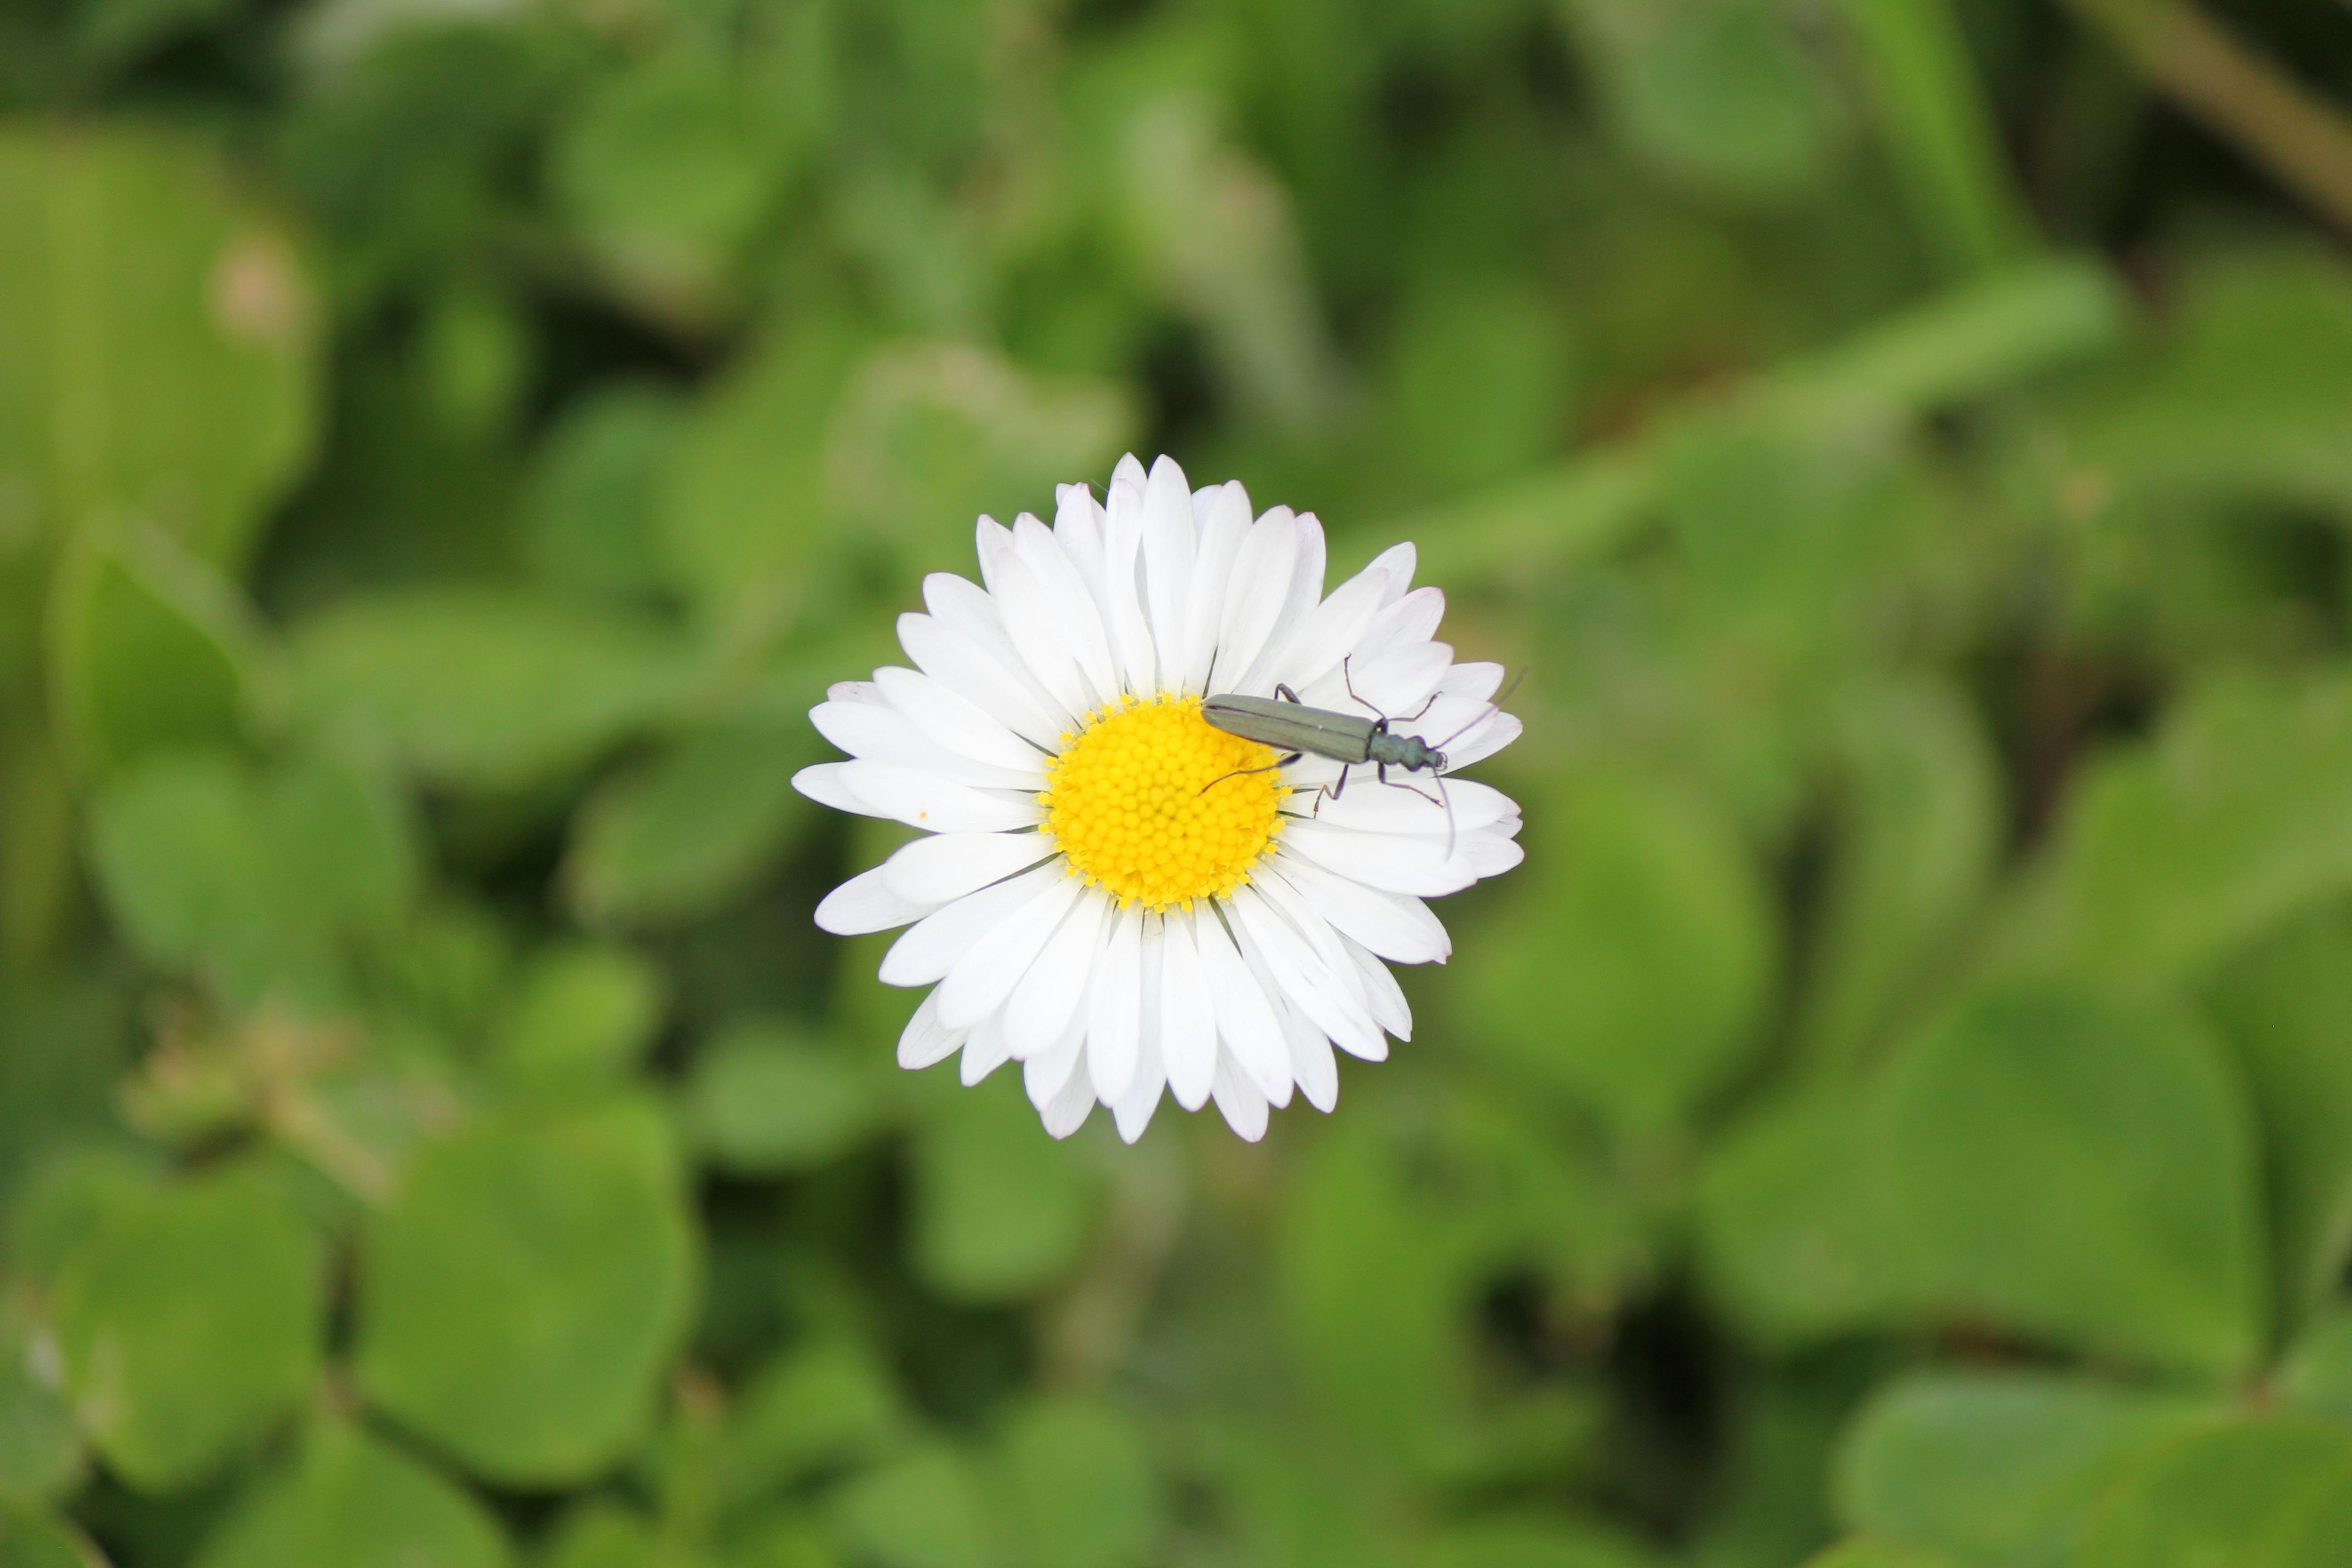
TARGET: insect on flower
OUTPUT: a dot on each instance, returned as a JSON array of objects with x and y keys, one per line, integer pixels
[
  {"x": 1291, "y": 727},
  {"x": 1081, "y": 901}
]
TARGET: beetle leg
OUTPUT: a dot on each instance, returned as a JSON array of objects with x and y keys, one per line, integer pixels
[
  {"x": 1281, "y": 691},
  {"x": 1243, "y": 773},
  {"x": 1347, "y": 679}
]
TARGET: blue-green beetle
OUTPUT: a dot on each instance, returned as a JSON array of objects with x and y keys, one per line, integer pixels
[{"x": 1296, "y": 730}]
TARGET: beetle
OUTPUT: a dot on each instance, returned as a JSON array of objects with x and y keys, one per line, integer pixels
[{"x": 1285, "y": 722}]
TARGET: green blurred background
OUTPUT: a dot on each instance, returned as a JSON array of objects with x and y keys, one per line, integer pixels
[{"x": 1901, "y": 1109}]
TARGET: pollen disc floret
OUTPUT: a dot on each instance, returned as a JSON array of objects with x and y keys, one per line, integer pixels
[
  {"x": 1130, "y": 902},
  {"x": 1155, "y": 808}
]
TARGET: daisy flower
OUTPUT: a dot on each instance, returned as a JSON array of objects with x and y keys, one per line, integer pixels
[{"x": 1114, "y": 893}]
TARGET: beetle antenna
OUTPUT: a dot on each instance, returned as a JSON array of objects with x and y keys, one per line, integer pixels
[{"x": 1488, "y": 712}]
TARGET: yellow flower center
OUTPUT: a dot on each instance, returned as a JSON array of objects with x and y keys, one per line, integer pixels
[{"x": 1156, "y": 807}]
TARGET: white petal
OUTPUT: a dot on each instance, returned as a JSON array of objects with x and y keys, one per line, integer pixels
[
  {"x": 1124, "y": 615},
  {"x": 1037, "y": 619},
  {"x": 984, "y": 1051},
  {"x": 1399, "y": 686},
  {"x": 993, "y": 542},
  {"x": 952, "y": 659},
  {"x": 1412, "y": 619},
  {"x": 1188, "y": 1019},
  {"x": 1224, "y": 528},
  {"x": 1070, "y": 1109},
  {"x": 937, "y": 803},
  {"x": 1318, "y": 644},
  {"x": 1245, "y": 1020},
  {"x": 1306, "y": 593},
  {"x": 853, "y": 691},
  {"x": 1476, "y": 680},
  {"x": 926, "y": 1041},
  {"x": 1261, "y": 585},
  {"x": 1238, "y": 1098},
  {"x": 823, "y": 782},
  {"x": 1312, "y": 1065},
  {"x": 1134, "y": 1107},
  {"x": 1396, "y": 863},
  {"x": 1477, "y": 745},
  {"x": 1330, "y": 947},
  {"x": 873, "y": 732},
  {"x": 1391, "y": 1011},
  {"x": 985, "y": 975},
  {"x": 1396, "y": 926},
  {"x": 1048, "y": 999},
  {"x": 945, "y": 866},
  {"x": 1114, "y": 1029},
  {"x": 1412, "y": 803},
  {"x": 1312, "y": 1061},
  {"x": 1079, "y": 527},
  {"x": 956, "y": 723},
  {"x": 1328, "y": 1002},
  {"x": 867, "y": 902},
  {"x": 925, "y": 954},
  {"x": 1077, "y": 610},
  {"x": 963, "y": 607},
  {"x": 1045, "y": 1073},
  {"x": 1168, "y": 548},
  {"x": 1399, "y": 562}
]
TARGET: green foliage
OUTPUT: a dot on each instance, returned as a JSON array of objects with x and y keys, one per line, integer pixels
[
  {"x": 187, "y": 1324},
  {"x": 2082, "y": 1170},
  {"x": 1899, "y": 1116},
  {"x": 352, "y": 1500},
  {"x": 522, "y": 1294}
]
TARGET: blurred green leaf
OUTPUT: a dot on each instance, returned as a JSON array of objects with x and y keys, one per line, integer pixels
[
  {"x": 578, "y": 1019},
  {"x": 928, "y": 436},
  {"x": 1998, "y": 1467},
  {"x": 823, "y": 1404},
  {"x": 35, "y": 1538},
  {"x": 688, "y": 828},
  {"x": 1715, "y": 93},
  {"x": 2082, "y": 1170},
  {"x": 1866, "y": 1552},
  {"x": 2316, "y": 1374},
  {"x": 256, "y": 884},
  {"x": 2248, "y": 392},
  {"x": 150, "y": 651},
  {"x": 765, "y": 1098},
  {"x": 1484, "y": 372},
  {"x": 1921, "y": 819},
  {"x": 664, "y": 169},
  {"x": 40, "y": 1451},
  {"x": 1076, "y": 1488},
  {"x": 1939, "y": 128},
  {"x": 2288, "y": 1009},
  {"x": 589, "y": 507},
  {"x": 997, "y": 1212},
  {"x": 783, "y": 1540},
  {"x": 478, "y": 687},
  {"x": 1530, "y": 1543},
  {"x": 1633, "y": 962},
  {"x": 521, "y": 1297},
  {"x": 1796, "y": 1238},
  {"x": 2277, "y": 1492},
  {"x": 925, "y": 1509},
  {"x": 189, "y": 1323},
  {"x": 1369, "y": 1284},
  {"x": 602, "y": 1534},
  {"x": 353, "y": 1501},
  {"x": 743, "y": 508},
  {"x": 2173, "y": 855},
  {"x": 157, "y": 345}
]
